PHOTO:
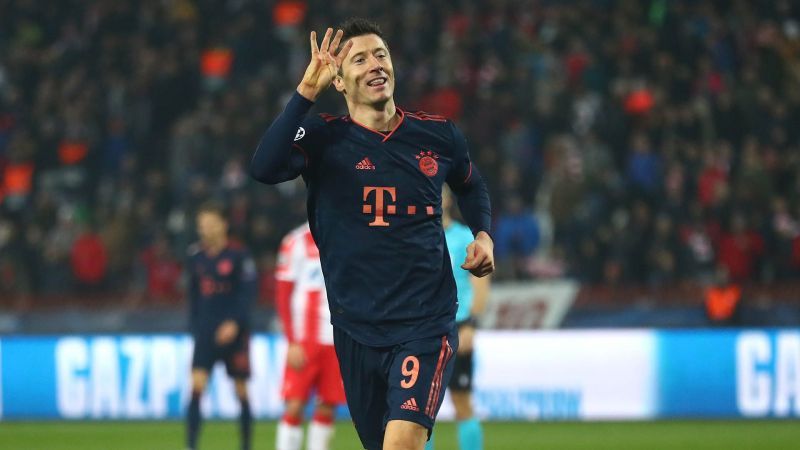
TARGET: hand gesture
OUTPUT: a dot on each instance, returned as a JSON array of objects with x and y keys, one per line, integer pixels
[
  {"x": 480, "y": 256},
  {"x": 227, "y": 332},
  {"x": 295, "y": 356},
  {"x": 324, "y": 65}
]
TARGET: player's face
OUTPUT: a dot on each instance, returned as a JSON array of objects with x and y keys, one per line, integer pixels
[
  {"x": 211, "y": 227},
  {"x": 367, "y": 75}
]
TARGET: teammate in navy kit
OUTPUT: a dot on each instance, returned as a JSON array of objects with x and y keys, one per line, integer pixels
[
  {"x": 222, "y": 289},
  {"x": 374, "y": 182}
]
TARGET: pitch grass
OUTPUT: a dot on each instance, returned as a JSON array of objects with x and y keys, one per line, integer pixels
[{"x": 667, "y": 435}]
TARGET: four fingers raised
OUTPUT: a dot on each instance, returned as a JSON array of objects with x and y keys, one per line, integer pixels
[
  {"x": 329, "y": 47},
  {"x": 314, "y": 47}
]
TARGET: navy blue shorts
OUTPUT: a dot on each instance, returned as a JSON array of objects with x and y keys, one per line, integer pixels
[
  {"x": 461, "y": 380},
  {"x": 462, "y": 373},
  {"x": 235, "y": 355},
  {"x": 401, "y": 382}
]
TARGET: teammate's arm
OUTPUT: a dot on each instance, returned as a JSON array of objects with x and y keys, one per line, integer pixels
[
  {"x": 473, "y": 200},
  {"x": 193, "y": 295},
  {"x": 243, "y": 301},
  {"x": 277, "y": 157}
]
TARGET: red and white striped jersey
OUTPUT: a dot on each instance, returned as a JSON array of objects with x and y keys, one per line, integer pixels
[{"x": 302, "y": 301}]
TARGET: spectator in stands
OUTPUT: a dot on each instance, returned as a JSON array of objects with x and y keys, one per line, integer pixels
[
  {"x": 740, "y": 249},
  {"x": 88, "y": 260},
  {"x": 162, "y": 271},
  {"x": 723, "y": 300},
  {"x": 586, "y": 106},
  {"x": 516, "y": 238},
  {"x": 644, "y": 166}
]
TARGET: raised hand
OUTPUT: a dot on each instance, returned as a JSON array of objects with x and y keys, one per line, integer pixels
[
  {"x": 296, "y": 356},
  {"x": 324, "y": 65}
]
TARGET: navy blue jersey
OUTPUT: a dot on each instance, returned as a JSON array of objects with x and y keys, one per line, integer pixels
[
  {"x": 221, "y": 287},
  {"x": 374, "y": 207}
]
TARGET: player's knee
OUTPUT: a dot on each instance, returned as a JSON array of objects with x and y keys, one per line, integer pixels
[
  {"x": 461, "y": 404},
  {"x": 199, "y": 381},
  {"x": 324, "y": 410},
  {"x": 294, "y": 409},
  {"x": 241, "y": 390}
]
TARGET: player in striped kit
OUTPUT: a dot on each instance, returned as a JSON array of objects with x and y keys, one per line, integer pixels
[{"x": 311, "y": 362}]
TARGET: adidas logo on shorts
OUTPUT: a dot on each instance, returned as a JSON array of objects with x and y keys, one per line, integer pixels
[{"x": 410, "y": 404}]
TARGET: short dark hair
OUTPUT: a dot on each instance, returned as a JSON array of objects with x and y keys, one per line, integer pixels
[
  {"x": 213, "y": 207},
  {"x": 359, "y": 26}
]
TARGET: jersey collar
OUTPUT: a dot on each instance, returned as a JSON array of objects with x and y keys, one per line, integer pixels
[{"x": 385, "y": 136}]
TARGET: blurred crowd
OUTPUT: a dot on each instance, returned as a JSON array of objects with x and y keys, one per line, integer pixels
[{"x": 624, "y": 142}]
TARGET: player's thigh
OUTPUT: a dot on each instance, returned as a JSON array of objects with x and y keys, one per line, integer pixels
[
  {"x": 330, "y": 387},
  {"x": 298, "y": 383},
  {"x": 365, "y": 388},
  {"x": 204, "y": 354},
  {"x": 237, "y": 356},
  {"x": 419, "y": 373},
  {"x": 404, "y": 435}
]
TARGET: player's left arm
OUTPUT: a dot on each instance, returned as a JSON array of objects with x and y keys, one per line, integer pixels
[{"x": 473, "y": 200}]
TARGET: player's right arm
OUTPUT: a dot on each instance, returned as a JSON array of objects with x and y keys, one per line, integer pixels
[{"x": 279, "y": 156}]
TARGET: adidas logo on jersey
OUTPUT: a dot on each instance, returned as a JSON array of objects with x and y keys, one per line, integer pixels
[
  {"x": 365, "y": 164},
  {"x": 410, "y": 404}
]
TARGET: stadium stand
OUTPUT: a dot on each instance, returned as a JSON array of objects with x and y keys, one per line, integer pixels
[{"x": 645, "y": 148}]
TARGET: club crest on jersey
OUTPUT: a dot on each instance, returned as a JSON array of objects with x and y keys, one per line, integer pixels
[
  {"x": 225, "y": 267},
  {"x": 427, "y": 162},
  {"x": 301, "y": 132}
]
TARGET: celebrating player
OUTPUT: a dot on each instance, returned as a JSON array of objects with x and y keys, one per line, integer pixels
[
  {"x": 310, "y": 359},
  {"x": 472, "y": 295},
  {"x": 222, "y": 288},
  {"x": 374, "y": 182}
]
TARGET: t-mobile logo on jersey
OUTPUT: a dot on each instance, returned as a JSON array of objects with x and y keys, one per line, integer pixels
[{"x": 381, "y": 206}]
